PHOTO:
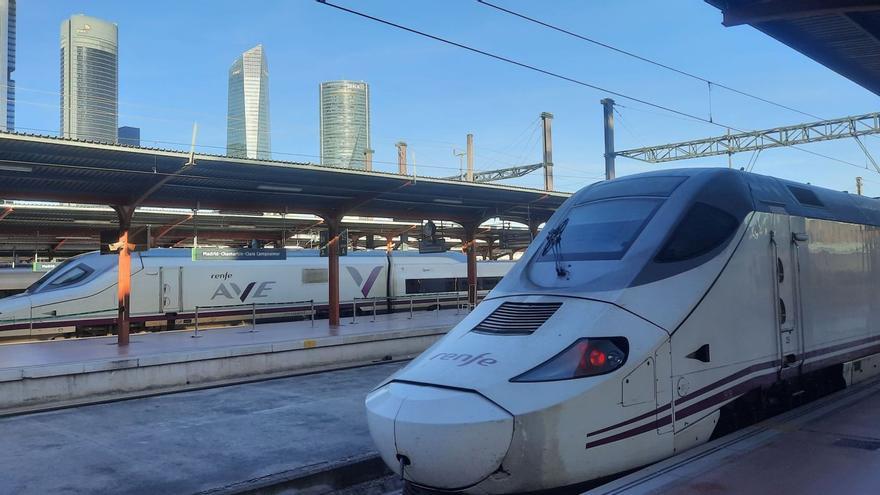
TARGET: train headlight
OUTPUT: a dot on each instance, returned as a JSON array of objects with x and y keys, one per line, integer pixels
[{"x": 586, "y": 357}]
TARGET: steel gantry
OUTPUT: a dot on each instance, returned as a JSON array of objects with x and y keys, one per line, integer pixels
[{"x": 825, "y": 130}]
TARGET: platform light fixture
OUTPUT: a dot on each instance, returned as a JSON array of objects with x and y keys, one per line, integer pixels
[
  {"x": 16, "y": 168},
  {"x": 269, "y": 187},
  {"x": 448, "y": 201}
]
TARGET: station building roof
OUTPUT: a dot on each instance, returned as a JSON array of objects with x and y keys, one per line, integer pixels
[
  {"x": 843, "y": 35},
  {"x": 56, "y": 169}
]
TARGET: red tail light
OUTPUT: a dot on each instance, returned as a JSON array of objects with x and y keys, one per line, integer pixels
[{"x": 586, "y": 357}]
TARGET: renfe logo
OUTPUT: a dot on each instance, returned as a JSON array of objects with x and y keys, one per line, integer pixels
[
  {"x": 227, "y": 289},
  {"x": 358, "y": 278},
  {"x": 465, "y": 359}
]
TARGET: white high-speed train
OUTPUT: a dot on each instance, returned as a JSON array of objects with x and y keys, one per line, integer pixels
[
  {"x": 648, "y": 310},
  {"x": 79, "y": 295},
  {"x": 16, "y": 280}
]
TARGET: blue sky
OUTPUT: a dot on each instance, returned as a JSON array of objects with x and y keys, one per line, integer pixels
[{"x": 174, "y": 57}]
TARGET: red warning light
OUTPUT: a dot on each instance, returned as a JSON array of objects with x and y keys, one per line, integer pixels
[{"x": 597, "y": 358}]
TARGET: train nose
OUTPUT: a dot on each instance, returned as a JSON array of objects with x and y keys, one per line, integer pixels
[{"x": 444, "y": 438}]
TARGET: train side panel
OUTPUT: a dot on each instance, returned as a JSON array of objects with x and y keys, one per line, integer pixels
[
  {"x": 729, "y": 343},
  {"x": 839, "y": 267}
]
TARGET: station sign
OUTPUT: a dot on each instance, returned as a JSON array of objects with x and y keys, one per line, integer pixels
[
  {"x": 40, "y": 266},
  {"x": 341, "y": 246},
  {"x": 430, "y": 242},
  {"x": 239, "y": 254},
  {"x": 433, "y": 245}
]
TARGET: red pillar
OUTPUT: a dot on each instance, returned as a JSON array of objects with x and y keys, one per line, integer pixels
[
  {"x": 123, "y": 281},
  {"x": 333, "y": 271},
  {"x": 471, "y": 250}
]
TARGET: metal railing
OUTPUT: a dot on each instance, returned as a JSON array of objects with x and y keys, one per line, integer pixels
[
  {"x": 253, "y": 306},
  {"x": 437, "y": 298}
]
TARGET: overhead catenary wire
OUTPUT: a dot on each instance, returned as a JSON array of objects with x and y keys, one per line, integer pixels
[
  {"x": 709, "y": 82},
  {"x": 682, "y": 72},
  {"x": 562, "y": 76}
]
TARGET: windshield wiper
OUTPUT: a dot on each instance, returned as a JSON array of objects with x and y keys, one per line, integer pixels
[{"x": 554, "y": 242}]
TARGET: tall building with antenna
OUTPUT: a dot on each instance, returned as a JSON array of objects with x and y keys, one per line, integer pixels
[
  {"x": 247, "y": 118},
  {"x": 89, "y": 79},
  {"x": 7, "y": 64},
  {"x": 345, "y": 123}
]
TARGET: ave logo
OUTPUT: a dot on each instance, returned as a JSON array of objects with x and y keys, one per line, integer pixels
[
  {"x": 364, "y": 284},
  {"x": 231, "y": 290}
]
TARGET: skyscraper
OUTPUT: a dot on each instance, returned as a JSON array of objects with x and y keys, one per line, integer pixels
[
  {"x": 247, "y": 119},
  {"x": 129, "y": 135},
  {"x": 7, "y": 64},
  {"x": 345, "y": 123},
  {"x": 89, "y": 79}
]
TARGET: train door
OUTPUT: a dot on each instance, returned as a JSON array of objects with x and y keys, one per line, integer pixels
[
  {"x": 171, "y": 288},
  {"x": 787, "y": 233},
  {"x": 663, "y": 387}
]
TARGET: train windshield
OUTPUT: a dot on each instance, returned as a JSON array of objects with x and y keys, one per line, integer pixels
[
  {"x": 600, "y": 230},
  {"x": 68, "y": 276}
]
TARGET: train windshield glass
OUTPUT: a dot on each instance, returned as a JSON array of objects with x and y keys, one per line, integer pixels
[
  {"x": 71, "y": 276},
  {"x": 601, "y": 230}
]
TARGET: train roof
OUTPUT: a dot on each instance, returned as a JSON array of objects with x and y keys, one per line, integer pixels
[
  {"x": 769, "y": 194},
  {"x": 297, "y": 253}
]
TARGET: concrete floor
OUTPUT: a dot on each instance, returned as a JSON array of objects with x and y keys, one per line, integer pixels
[
  {"x": 192, "y": 441},
  {"x": 827, "y": 447},
  {"x": 72, "y": 352}
]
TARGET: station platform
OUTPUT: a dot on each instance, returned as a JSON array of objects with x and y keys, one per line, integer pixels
[
  {"x": 214, "y": 441},
  {"x": 831, "y": 445},
  {"x": 37, "y": 375}
]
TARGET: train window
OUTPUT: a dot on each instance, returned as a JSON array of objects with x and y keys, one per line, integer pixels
[
  {"x": 602, "y": 230},
  {"x": 780, "y": 271},
  {"x": 72, "y": 276},
  {"x": 782, "y": 315},
  {"x": 702, "y": 229},
  {"x": 428, "y": 285},
  {"x": 805, "y": 196},
  {"x": 653, "y": 186},
  {"x": 315, "y": 276}
]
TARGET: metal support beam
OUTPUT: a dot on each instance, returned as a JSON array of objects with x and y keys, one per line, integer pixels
[
  {"x": 470, "y": 246},
  {"x": 123, "y": 280},
  {"x": 547, "y": 163},
  {"x": 333, "y": 230},
  {"x": 469, "y": 175},
  {"x": 368, "y": 160},
  {"x": 778, "y": 137},
  {"x": 401, "y": 158},
  {"x": 608, "y": 120},
  {"x": 167, "y": 228}
]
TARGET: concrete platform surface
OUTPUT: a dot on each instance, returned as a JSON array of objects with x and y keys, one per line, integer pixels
[
  {"x": 829, "y": 446},
  {"x": 189, "y": 442},
  {"x": 213, "y": 342}
]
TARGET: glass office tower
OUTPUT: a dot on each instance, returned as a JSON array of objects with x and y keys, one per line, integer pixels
[
  {"x": 7, "y": 64},
  {"x": 247, "y": 118},
  {"x": 89, "y": 79},
  {"x": 345, "y": 123}
]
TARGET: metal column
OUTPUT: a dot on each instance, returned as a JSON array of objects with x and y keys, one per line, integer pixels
[
  {"x": 401, "y": 158},
  {"x": 123, "y": 281},
  {"x": 608, "y": 111},
  {"x": 469, "y": 175},
  {"x": 471, "y": 249},
  {"x": 333, "y": 270},
  {"x": 546, "y": 120},
  {"x": 368, "y": 160}
]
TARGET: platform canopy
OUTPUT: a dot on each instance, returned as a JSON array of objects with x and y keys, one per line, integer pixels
[
  {"x": 843, "y": 35},
  {"x": 56, "y": 169}
]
